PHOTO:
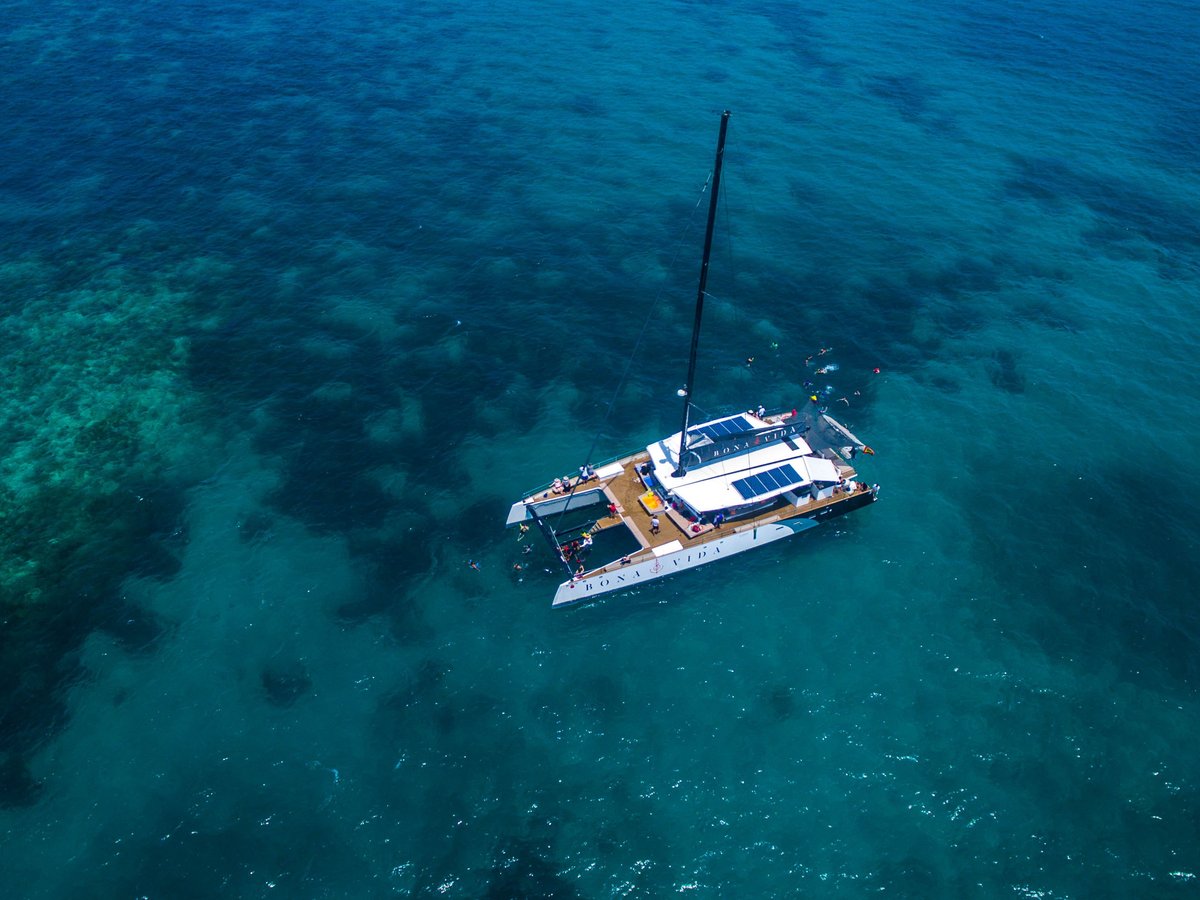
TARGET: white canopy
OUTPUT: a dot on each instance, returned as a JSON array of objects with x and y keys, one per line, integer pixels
[{"x": 821, "y": 469}]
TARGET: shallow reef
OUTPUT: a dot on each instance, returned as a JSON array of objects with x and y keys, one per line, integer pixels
[
  {"x": 101, "y": 438},
  {"x": 95, "y": 414}
]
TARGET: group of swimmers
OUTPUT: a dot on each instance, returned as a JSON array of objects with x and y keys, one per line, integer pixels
[
  {"x": 572, "y": 551},
  {"x": 528, "y": 548}
]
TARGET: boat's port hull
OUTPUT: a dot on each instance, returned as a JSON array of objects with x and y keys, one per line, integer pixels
[{"x": 675, "y": 557}]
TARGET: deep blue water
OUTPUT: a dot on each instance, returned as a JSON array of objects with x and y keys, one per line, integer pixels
[{"x": 296, "y": 298}]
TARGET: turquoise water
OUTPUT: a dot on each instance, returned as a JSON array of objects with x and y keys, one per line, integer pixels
[{"x": 297, "y": 298}]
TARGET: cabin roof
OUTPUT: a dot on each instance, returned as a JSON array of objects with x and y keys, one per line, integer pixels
[{"x": 723, "y": 483}]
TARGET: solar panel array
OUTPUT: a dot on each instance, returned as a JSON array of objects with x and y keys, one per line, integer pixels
[
  {"x": 768, "y": 481},
  {"x": 722, "y": 429}
]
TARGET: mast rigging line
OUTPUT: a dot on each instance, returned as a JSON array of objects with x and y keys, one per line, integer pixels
[
  {"x": 551, "y": 538},
  {"x": 646, "y": 322},
  {"x": 708, "y": 182}
]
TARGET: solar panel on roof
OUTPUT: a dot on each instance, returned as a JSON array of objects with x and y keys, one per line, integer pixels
[
  {"x": 765, "y": 482},
  {"x": 715, "y": 430},
  {"x": 749, "y": 487}
]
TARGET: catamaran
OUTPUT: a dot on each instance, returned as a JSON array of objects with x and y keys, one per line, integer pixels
[{"x": 710, "y": 491}]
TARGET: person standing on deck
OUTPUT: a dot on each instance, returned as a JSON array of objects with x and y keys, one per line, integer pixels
[{"x": 654, "y": 524}]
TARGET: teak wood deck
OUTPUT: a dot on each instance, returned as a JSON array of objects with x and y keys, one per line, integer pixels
[{"x": 624, "y": 489}]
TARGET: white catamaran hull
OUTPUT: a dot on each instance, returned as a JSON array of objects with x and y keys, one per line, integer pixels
[
  {"x": 728, "y": 485},
  {"x": 674, "y": 558}
]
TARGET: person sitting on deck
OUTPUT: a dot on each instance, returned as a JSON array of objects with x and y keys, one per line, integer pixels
[
  {"x": 557, "y": 487},
  {"x": 612, "y": 510}
]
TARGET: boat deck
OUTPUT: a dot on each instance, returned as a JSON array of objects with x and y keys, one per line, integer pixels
[{"x": 625, "y": 488}]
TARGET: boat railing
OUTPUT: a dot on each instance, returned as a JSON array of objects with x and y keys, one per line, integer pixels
[{"x": 574, "y": 480}]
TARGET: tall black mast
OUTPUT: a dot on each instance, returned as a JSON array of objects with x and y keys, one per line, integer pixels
[{"x": 708, "y": 234}]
